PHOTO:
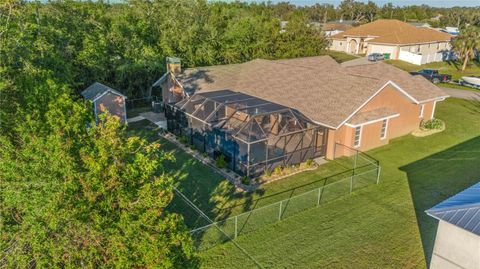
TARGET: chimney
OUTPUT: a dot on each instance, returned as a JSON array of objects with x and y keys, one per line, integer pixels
[{"x": 173, "y": 65}]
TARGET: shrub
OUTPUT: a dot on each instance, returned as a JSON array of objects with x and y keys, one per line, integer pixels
[
  {"x": 220, "y": 162},
  {"x": 267, "y": 173},
  {"x": 433, "y": 124},
  {"x": 309, "y": 163},
  {"x": 183, "y": 139},
  {"x": 245, "y": 180},
  {"x": 278, "y": 170}
]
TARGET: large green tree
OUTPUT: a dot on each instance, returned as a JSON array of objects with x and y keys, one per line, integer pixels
[{"x": 467, "y": 43}]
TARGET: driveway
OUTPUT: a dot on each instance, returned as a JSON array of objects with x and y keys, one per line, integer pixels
[{"x": 462, "y": 94}]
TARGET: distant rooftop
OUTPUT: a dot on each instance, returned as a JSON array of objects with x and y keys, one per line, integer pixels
[{"x": 462, "y": 210}]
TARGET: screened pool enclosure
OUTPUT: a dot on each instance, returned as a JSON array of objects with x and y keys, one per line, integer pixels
[{"x": 252, "y": 134}]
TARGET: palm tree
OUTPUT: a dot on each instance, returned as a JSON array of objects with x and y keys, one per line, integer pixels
[{"x": 466, "y": 43}]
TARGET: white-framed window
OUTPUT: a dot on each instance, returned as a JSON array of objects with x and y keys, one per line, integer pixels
[
  {"x": 422, "y": 108},
  {"x": 357, "y": 137},
  {"x": 383, "y": 131}
]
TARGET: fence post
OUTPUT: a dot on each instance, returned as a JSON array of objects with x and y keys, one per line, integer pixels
[
  {"x": 280, "y": 211},
  {"x": 319, "y": 195},
  {"x": 379, "y": 168},
  {"x": 236, "y": 220}
]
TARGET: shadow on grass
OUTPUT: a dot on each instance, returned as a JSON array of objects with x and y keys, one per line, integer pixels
[{"x": 436, "y": 178}]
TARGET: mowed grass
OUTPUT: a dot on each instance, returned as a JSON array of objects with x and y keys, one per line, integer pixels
[
  {"x": 339, "y": 56},
  {"x": 218, "y": 198},
  {"x": 381, "y": 226}
]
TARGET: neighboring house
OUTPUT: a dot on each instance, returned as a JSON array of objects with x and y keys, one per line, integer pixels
[
  {"x": 237, "y": 108},
  {"x": 105, "y": 98},
  {"x": 332, "y": 29},
  {"x": 457, "y": 244},
  {"x": 402, "y": 41}
]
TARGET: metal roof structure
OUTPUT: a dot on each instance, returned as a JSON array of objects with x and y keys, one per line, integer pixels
[
  {"x": 462, "y": 209},
  {"x": 97, "y": 90},
  {"x": 224, "y": 109}
]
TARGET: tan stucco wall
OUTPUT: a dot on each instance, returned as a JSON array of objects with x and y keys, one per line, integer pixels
[
  {"x": 375, "y": 48},
  {"x": 113, "y": 103},
  {"x": 338, "y": 45},
  {"x": 408, "y": 120},
  {"x": 455, "y": 248}
]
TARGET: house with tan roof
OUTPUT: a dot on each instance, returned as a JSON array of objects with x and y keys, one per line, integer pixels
[
  {"x": 265, "y": 113},
  {"x": 402, "y": 41}
]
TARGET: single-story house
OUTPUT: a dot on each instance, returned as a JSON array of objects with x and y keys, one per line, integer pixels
[
  {"x": 457, "y": 243},
  {"x": 402, "y": 41},
  {"x": 265, "y": 113},
  {"x": 332, "y": 28},
  {"x": 104, "y": 99}
]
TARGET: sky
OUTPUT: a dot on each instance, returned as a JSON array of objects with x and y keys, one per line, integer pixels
[{"x": 434, "y": 3}]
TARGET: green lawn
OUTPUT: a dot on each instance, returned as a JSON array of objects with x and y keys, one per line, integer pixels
[
  {"x": 339, "y": 56},
  {"x": 215, "y": 196},
  {"x": 381, "y": 226}
]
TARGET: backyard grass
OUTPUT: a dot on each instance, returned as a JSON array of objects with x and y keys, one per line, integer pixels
[
  {"x": 217, "y": 197},
  {"x": 381, "y": 226}
]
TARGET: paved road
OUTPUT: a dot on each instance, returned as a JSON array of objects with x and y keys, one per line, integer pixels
[{"x": 462, "y": 94}]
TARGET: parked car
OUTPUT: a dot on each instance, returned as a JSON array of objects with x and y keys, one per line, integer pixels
[
  {"x": 376, "y": 57},
  {"x": 433, "y": 75}
]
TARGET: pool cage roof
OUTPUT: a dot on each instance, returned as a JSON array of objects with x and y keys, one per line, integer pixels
[{"x": 245, "y": 117}]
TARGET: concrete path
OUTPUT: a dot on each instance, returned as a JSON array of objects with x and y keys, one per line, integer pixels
[{"x": 462, "y": 94}]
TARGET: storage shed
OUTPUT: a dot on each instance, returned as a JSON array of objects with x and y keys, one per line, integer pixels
[
  {"x": 104, "y": 99},
  {"x": 457, "y": 244}
]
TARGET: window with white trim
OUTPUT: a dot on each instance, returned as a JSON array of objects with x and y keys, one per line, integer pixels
[
  {"x": 383, "y": 131},
  {"x": 357, "y": 137},
  {"x": 422, "y": 108}
]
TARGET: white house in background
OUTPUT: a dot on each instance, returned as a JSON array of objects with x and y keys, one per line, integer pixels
[
  {"x": 457, "y": 244},
  {"x": 104, "y": 99},
  {"x": 400, "y": 40}
]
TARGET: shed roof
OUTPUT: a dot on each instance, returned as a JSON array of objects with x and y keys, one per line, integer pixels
[
  {"x": 319, "y": 87},
  {"x": 97, "y": 90},
  {"x": 395, "y": 32},
  {"x": 462, "y": 209}
]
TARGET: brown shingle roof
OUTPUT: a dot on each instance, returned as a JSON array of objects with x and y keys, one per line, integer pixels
[
  {"x": 395, "y": 32},
  {"x": 318, "y": 87},
  {"x": 372, "y": 115}
]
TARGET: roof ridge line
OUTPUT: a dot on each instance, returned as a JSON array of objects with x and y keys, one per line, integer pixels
[{"x": 452, "y": 208}]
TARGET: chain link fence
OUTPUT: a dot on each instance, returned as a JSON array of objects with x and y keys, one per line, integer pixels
[{"x": 366, "y": 172}]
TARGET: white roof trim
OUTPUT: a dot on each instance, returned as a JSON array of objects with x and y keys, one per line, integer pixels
[
  {"x": 108, "y": 91},
  {"x": 372, "y": 121},
  {"x": 373, "y": 96}
]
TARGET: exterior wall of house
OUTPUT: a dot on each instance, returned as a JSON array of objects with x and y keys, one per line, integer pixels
[
  {"x": 114, "y": 104},
  {"x": 377, "y": 48},
  {"x": 455, "y": 248},
  {"x": 428, "y": 53},
  {"x": 338, "y": 45},
  {"x": 408, "y": 120}
]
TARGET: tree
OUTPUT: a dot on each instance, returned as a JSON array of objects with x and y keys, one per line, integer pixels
[
  {"x": 87, "y": 197},
  {"x": 466, "y": 43}
]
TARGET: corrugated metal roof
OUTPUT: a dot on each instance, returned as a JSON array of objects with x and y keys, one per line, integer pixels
[
  {"x": 96, "y": 90},
  {"x": 462, "y": 209}
]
